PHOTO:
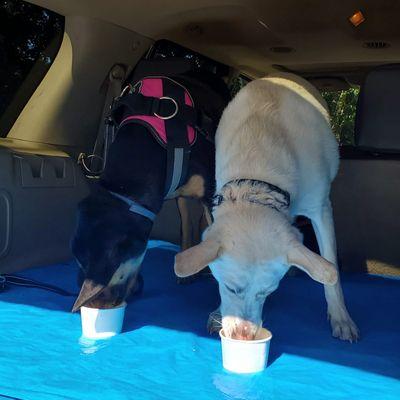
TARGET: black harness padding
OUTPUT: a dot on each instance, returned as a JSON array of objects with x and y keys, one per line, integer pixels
[
  {"x": 178, "y": 116},
  {"x": 138, "y": 104}
]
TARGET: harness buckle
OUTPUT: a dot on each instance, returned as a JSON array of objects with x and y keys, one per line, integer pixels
[
  {"x": 168, "y": 116},
  {"x": 127, "y": 89}
]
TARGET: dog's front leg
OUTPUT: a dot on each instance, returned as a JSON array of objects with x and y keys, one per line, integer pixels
[
  {"x": 343, "y": 326},
  {"x": 186, "y": 223},
  {"x": 186, "y": 231}
]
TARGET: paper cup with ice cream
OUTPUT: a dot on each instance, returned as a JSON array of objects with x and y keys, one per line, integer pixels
[{"x": 246, "y": 356}]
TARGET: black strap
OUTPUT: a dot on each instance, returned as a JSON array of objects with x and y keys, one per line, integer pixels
[
  {"x": 165, "y": 67},
  {"x": 21, "y": 281},
  {"x": 135, "y": 207},
  {"x": 6, "y": 280},
  {"x": 137, "y": 104}
]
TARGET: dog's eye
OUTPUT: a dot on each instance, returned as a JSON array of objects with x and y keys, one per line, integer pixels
[{"x": 235, "y": 290}]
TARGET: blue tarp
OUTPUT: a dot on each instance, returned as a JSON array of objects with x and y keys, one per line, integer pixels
[{"x": 166, "y": 353}]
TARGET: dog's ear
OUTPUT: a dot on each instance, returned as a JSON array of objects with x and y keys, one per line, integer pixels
[
  {"x": 193, "y": 260},
  {"x": 314, "y": 265},
  {"x": 89, "y": 291}
]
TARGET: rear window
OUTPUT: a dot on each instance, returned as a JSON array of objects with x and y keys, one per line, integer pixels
[
  {"x": 30, "y": 37},
  {"x": 237, "y": 83},
  {"x": 342, "y": 107},
  {"x": 166, "y": 49}
]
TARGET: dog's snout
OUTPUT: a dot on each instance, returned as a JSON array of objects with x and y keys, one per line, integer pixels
[
  {"x": 239, "y": 329},
  {"x": 244, "y": 331}
]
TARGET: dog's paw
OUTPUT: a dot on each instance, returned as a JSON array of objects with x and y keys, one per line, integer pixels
[
  {"x": 343, "y": 327},
  {"x": 214, "y": 323}
]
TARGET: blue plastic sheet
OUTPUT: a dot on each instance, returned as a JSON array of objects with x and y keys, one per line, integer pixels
[{"x": 166, "y": 353}]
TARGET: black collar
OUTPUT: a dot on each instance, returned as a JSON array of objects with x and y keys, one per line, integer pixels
[{"x": 259, "y": 192}]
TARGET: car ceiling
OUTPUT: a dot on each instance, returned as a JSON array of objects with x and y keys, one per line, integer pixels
[{"x": 242, "y": 33}]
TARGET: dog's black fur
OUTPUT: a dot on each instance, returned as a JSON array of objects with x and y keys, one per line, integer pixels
[{"x": 108, "y": 234}]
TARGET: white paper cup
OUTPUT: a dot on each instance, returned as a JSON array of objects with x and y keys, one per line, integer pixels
[
  {"x": 102, "y": 323},
  {"x": 246, "y": 356}
]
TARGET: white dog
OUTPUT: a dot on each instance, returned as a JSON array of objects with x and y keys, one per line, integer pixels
[{"x": 276, "y": 157}]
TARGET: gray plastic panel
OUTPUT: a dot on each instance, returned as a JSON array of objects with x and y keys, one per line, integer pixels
[
  {"x": 39, "y": 194},
  {"x": 38, "y": 199},
  {"x": 5, "y": 222},
  {"x": 41, "y": 172}
]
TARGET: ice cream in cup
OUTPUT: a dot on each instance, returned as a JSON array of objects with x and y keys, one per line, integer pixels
[
  {"x": 246, "y": 356},
  {"x": 102, "y": 323}
]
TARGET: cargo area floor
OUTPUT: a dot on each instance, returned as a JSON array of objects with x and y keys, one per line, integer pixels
[{"x": 165, "y": 351}]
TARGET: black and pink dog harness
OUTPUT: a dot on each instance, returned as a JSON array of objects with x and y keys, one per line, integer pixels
[{"x": 167, "y": 110}]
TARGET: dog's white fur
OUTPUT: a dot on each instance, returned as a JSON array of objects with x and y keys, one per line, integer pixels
[{"x": 276, "y": 130}]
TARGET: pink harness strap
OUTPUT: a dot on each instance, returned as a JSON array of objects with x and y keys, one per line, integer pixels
[{"x": 153, "y": 87}]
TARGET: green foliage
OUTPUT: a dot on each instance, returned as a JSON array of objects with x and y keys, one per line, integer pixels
[
  {"x": 342, "y": 106},
  {"x": 236, "y": 84},
  {"x": 26, "y": 30}
]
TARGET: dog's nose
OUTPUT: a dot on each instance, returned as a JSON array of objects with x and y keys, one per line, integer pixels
[{"x": 245, "y": 330}]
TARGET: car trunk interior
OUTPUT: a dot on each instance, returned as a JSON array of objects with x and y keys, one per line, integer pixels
[
  {"x": 41, "y": 182},
  {"x": 128, "y": 316}
]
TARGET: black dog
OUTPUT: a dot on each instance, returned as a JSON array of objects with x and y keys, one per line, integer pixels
[{"x": 110, "y": 241}]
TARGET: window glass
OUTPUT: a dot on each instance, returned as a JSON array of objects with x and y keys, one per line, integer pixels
[
  {"x": 164, "y": 48},
  {"x": 237, "y": 83},
  {"x": 30, "y": 37},
  {"x": 342, "y": 107}
]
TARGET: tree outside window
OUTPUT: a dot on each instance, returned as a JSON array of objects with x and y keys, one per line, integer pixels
[
  {"x": 342, "y": 107},
  {"x": 30, "y": 37}
]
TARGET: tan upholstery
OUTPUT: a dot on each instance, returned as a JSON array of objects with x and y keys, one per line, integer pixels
[{"x": 241, "y": 33}]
